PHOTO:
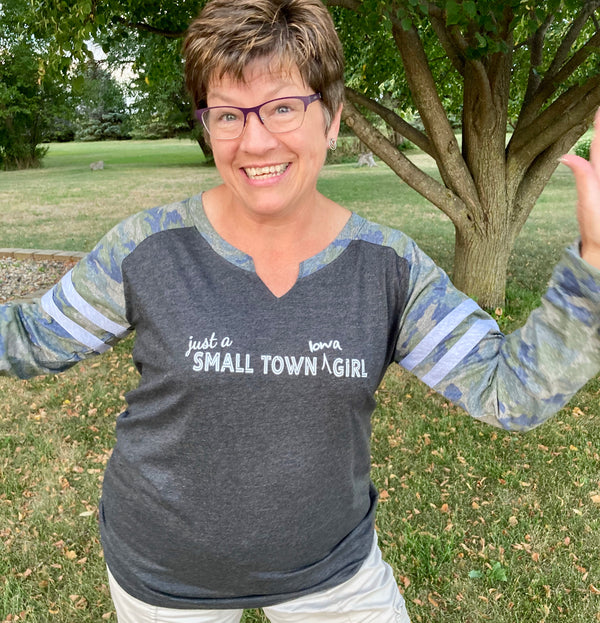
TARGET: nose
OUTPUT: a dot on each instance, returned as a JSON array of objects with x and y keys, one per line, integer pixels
[{"x": 256, "y": 138}]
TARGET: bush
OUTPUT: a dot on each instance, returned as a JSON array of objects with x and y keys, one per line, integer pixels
[
  {"x": 157, "y": 127},
  {"x": 109, "y": 126},
  {"x": 60, "y": 130},
  {"x": 582, "y": 147}
]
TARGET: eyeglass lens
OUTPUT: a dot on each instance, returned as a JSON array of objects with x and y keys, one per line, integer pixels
[{"x": 281, "y": 115}]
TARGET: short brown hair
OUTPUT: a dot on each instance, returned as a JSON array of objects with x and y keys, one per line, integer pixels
[{"x": 229, "y": 34}]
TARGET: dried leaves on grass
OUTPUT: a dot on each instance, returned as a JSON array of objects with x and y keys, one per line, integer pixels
[{"x": 481, "y": 524}]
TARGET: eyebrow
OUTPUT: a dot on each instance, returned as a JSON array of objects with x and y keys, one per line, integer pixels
[
  {"x": 273, "y": 94},
  {"x": 224, "y": 97}
]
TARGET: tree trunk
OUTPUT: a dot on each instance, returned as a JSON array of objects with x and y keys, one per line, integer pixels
[
  {"x": 481, "y": 263},
  {"x": 205, "y": 147}
]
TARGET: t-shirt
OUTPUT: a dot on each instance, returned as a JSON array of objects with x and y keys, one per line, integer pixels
[{"x": 240, "y": 474}]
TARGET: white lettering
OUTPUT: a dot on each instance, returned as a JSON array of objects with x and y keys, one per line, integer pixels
[
  {"x": 338, "y": 367},
  {"x": 265, "y": 360},
  {"x": 293, "y": 365},
  {"x": 277, "y": 365},
  {"x": 247, "y": 368},
  {"x": 204, "y": 362},
  {"x": 212, "y": 360},
  {"x": 317, "y": 346},
  {"x": 310, "y": 366},
  {"x": 205, "y": 344},
  {"x": 227, "y": 363},
  {"x": 199, "y": 363}
]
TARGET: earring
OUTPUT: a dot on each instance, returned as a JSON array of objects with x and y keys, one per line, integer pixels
[{"x": 332, "y": 144}]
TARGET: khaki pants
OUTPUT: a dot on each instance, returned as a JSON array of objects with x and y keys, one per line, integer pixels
[{"x": 370, "y": 596}]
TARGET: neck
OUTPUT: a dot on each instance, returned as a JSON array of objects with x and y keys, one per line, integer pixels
[{"x": 301, "y": 231}]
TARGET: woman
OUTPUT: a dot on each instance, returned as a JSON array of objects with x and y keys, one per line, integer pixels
[{"x": 265, "y": 317}]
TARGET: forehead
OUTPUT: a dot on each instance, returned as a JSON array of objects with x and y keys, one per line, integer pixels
[{"x": 263, "y": 74}]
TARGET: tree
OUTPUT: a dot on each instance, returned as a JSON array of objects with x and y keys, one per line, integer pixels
[
  {"x": 21, "y": 105},
  {"x": 29, "y": 94},
  {"x": 533, "y": 65},
  {"x": 140, "y": 33},
  {"x": 101, "y": 109},
  {"x": 160, "y": 105},
  {"x": 488, "y": 63}
]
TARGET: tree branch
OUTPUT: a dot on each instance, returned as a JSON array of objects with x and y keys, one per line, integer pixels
[
  {"x": 447, "y": 201},
  {"x": 393, "y": 120},
  {"x": 453, "y": 48},
  {"x": 547, "y": 87},
  {"x": 574, "y": 31},
  {"x": 536, "y": 57},
  {"x": 169, "y": 34},
  {"x": 450, "y": 162},
  {"x": 540, "y": 171},
  {"x": 565, "y": 112}
]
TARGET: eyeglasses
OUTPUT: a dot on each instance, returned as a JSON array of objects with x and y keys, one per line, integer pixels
[{"x": 283, "y": 114}]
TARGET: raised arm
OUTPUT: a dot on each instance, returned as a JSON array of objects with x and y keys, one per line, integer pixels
[{"x": 587, "y": 180}]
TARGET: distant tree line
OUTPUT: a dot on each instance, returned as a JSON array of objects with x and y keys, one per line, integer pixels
[{"x": 39, "y": 105}]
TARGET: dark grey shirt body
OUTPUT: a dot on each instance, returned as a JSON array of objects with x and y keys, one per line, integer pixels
[{"x": 240, "y": 475}]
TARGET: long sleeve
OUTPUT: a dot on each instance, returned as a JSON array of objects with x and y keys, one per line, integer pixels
[
  {"x": 84, "y": 314},
  {"x": 516, "y": 381}
]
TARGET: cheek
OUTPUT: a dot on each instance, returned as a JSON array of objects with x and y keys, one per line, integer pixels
[{"x": 223, "y": 155}]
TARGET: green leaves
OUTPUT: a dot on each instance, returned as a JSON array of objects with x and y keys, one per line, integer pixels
[
  {"x": 494, "y": 573},
  {"x": 453, "y": 13}
]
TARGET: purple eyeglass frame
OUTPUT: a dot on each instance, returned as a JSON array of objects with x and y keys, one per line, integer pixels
[{"x": 305, "y": 99}]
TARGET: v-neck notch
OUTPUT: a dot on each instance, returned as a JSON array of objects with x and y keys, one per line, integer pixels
[{"x": 242, "y": 260}]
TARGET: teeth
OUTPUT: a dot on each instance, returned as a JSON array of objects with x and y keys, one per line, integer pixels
[{"x": 264, "y": 172}]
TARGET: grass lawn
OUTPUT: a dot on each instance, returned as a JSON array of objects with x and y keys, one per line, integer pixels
[{"x": 478, "y": 524}]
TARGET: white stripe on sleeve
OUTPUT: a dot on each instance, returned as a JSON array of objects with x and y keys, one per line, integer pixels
[
  {"x": 71, "y": 327},
  {"x": 92, "y": 314},
  {"x": 439, "y": 333},
  {"x": 459, "y": 351}
]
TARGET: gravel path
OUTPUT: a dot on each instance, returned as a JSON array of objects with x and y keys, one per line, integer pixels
[{"x": 23, "y": 278}]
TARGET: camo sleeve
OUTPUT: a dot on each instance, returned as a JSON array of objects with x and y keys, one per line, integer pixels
[
  {"x": 84, "y": 313},
  {"x": 516, "y": 381}
]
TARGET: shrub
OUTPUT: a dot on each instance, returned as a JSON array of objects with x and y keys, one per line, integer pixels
[{"x": 582, "y": 147}]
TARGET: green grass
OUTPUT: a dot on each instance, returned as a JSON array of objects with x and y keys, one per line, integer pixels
[
  {"x": 70, "y": 207},
  {"x": 478, "y": 524}
]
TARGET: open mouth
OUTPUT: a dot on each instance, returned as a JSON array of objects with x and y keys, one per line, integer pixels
[{"x": 262, "y": 173}]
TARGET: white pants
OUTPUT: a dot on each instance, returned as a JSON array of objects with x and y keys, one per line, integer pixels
[{"x": 370, "y": 596}]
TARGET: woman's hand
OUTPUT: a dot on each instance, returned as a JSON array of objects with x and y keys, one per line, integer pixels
[{"x": 587, "y": 181}]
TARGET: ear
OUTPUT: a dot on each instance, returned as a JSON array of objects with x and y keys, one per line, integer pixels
[{"x": 334, "y": 127}]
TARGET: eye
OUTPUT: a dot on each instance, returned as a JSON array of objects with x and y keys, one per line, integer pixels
[
  {"x": 227, "y": 116},
  {"x": 283, "y": 109}
]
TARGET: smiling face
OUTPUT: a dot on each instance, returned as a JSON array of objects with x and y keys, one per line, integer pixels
[{"x": 269, "y": 175}]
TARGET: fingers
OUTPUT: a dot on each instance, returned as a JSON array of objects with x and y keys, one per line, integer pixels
[
  {"x": 587, "y": 182},
  {"x": 595, "y": 145},
  {"x": 586, "y": 179}
]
